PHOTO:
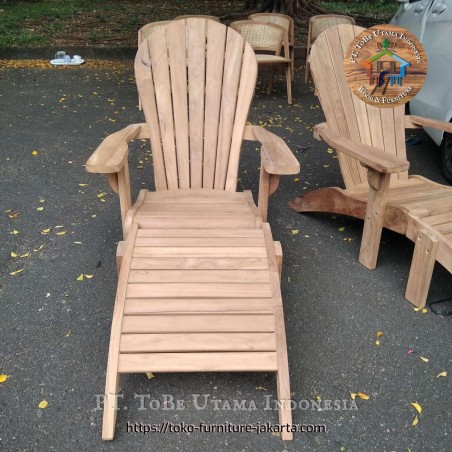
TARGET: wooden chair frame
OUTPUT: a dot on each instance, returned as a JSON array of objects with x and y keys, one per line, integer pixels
[
  {"x": 199, "y": 281},
  {"x": 370, "y": 144},
  {"x": 288, "y": 24}
]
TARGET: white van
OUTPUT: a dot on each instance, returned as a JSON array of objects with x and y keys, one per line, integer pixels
[{"x": 431, "y": 22}]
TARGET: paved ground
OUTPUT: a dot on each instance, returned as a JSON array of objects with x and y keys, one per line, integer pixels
[{"x": 55, "y": 329}]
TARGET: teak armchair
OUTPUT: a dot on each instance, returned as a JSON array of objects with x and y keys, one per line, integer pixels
[
  {"x": 288, "y": 24},
  {"x": 268, "y": 40},
  {"x": 199, "y": 286},
  {"x": 370, "y": 144}
]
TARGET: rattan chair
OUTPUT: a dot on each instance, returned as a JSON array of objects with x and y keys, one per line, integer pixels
[
  {"x": 317, "y": 25},
  {"x": 267, "y": 39},
  {"x": 287, "y": 23},
  {"x": 202, "y": 16}
]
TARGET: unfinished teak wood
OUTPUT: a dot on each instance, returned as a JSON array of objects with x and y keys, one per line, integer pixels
[
  {"x": 199, "y": 272},
  {"x": 370, "y": 146}
]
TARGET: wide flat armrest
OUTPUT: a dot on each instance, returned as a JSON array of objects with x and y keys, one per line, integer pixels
[
  {"x": 277, "y": 158},
  {"x": 110, "y": 156},
  {"x": 369, "y": 156},
  {"x": 413, "y": 122}
]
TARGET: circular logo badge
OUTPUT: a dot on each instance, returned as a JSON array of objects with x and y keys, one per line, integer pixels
[{"x": 385, "y": 65}]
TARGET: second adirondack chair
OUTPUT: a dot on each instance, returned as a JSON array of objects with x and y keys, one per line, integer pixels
[{"x": 370, "y": 145}]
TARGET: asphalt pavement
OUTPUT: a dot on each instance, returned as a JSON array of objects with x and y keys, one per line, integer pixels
[{"x": 61, "y": 222}]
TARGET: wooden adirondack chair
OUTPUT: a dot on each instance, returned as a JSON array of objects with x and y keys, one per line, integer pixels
[
  {"x": 370, "y": 144},
  {"x": 198, "y": 285}
]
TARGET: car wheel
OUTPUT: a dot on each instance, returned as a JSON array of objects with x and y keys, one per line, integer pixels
[{"x": 446, "y": 157}]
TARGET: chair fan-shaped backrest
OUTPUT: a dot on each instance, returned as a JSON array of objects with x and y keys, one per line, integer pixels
[
  {"x": 196, "y": 80},
  {"x": 383, "y": 128}
]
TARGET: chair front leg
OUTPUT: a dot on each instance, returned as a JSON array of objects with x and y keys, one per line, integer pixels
[
  {"x": 268, "y": 183},
  {"x": 373, "y": 222}
]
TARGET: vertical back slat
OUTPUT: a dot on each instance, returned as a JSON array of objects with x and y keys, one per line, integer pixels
[
  {"x": 177, "y": 58},
  {"x": 324, "y": 77},
  {"x": 145, "y": 84},
  {"x": 399, "y": 125},
  {"x": 246, "y": 90},
  {"x": 196, "y": 59},
  {"x": 345, "y": 36},
  {"x": 160, "y": 70},
  {"x": 231, "y": 74},
  {"x": 216, "y": 41}
]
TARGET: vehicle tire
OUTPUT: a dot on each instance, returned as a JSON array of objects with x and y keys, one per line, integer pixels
[{"x": 446, "y": 157}]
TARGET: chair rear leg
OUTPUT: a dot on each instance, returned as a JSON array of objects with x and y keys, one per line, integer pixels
[
  {"x": 289, "y": 84},
  {"x": 270, "y": 84},
  {"x": 424, "y": 258}
]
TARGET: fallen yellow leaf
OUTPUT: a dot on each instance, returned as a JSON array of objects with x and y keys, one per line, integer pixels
[
  {"x": 353, "y": 395},
  {"x": 379, "y": 334},
  {"x": 416, "y": 309},
  {"x": 377, "y": 342},
  {"x": 15, "y": 232},
  {"x": 68, "y": 333},
  {"x": 329, "y": 150},
  {"x": 24, "y": 255},
  {"x": 59, "y": 226},
  {"x": 46, "y": 231},
  {"x": 40, "y": 209},
  {"x": 297, "y": 179},
  {"x": 417, "y": 407},
  {"x": 424, "y": 311},
  {"x": 341, "y": 229},
  {"x": 13, "y": 254},
  {"x": 101, "y": 195},
  {"x": 3, "y": 378},
  {"x": 415, "y": 421},
  {"x": 16, "y": 272},
  {"x": 295, "y": 231},
  {"x": 78, "y": 243},
  {"x": 88, "y": 276},
  {"x": 149, "y": 375},
  {"x": 61, "y": 233},
  {"x": 80, "y": 278},
  {"x": 83, "y": 185},
  {"x": 363, "y": 395},
  {"x": 34, "y": 152},
  {"x": 424, "y": 359},
  {"x": 442, "y": 374},
  {"x": 43, "y": 404}
]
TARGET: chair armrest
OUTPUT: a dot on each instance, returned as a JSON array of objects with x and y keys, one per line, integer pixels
[
  {"x": 110, "y": 156},
  {"x": 414, "y": 122},
  {"x": 276, "y": 156},
  {"x": 369, "y": 156}
]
